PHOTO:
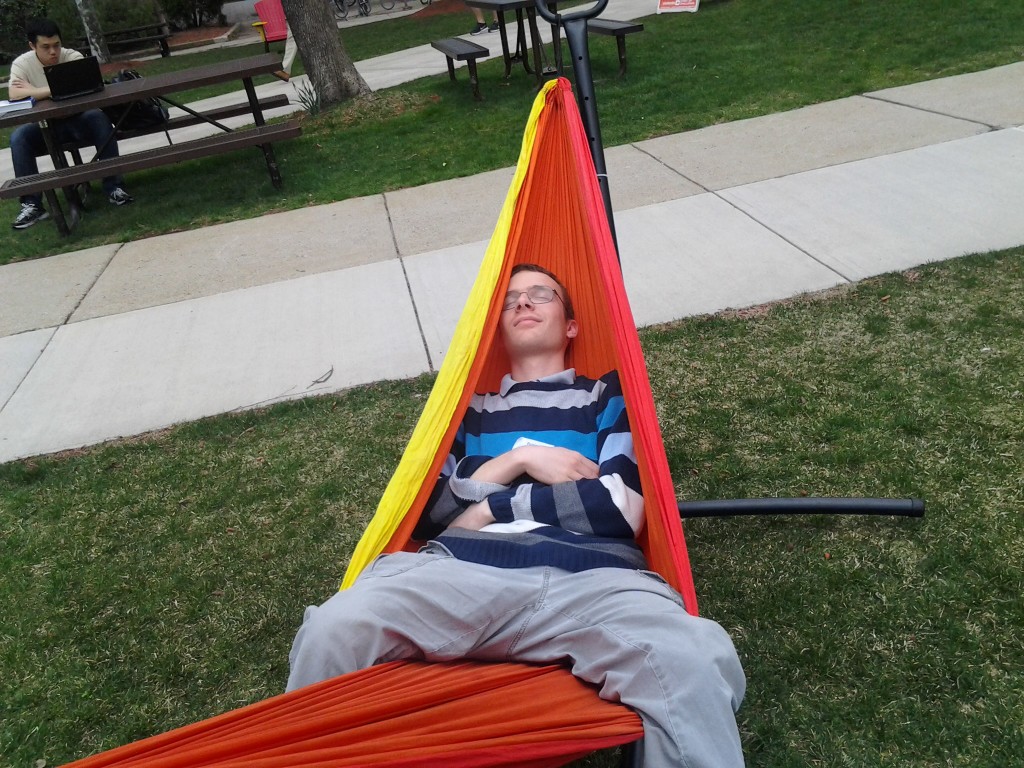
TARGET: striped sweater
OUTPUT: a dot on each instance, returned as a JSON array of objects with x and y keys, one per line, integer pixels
[{"x": 574, "y": 526}]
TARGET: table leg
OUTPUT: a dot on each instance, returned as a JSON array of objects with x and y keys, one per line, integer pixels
[
  {"x": 268, "y": 149},
  {"x": 58, "y": 213},
  {"x": 521, "y": 50},
  {"x": 556, "y": 37},
  {"x": 504, "y": 45},
  {"x": 538, "y": 46},
  {"x": 70, "y": 193}
]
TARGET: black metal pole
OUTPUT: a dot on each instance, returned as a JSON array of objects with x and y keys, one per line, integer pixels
[
  {"x": 801, "y": 506},
  {"x": 575, "y": 26}
]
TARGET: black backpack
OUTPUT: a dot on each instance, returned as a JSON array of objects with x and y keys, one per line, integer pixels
[{"x": 136, "y": 115}]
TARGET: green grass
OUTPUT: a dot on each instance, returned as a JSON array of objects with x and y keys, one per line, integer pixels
[
  {"x": 159, "y": 581},
  {"x": 732, "y": 60}
]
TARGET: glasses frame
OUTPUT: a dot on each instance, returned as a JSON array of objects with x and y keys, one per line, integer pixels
[{"x": 512, "y": 304}]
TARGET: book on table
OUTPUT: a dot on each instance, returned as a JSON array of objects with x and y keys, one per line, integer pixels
[{"x": 7, "y": 107}]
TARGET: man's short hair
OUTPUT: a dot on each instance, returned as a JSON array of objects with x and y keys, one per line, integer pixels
[
  {"x": 570, "y": 313},
  {"x": 41, "y": 28}
]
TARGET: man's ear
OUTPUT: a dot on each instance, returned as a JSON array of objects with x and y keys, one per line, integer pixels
[{"x": 571, "y": 329}]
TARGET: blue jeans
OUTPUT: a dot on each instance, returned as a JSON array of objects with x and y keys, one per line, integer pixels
[{"x": 92, "y": 127}]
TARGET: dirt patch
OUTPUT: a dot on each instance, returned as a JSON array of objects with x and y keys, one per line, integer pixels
[{"x": 192, "y": 36}]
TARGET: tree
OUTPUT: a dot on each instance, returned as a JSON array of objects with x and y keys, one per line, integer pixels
[
  {"x": 328, "y": 65},
  {"x": 93, "y": 30}
]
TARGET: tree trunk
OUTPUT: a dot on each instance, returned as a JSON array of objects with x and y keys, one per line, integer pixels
[
  {"x": 93, "y": 31},
  {"x": 328, "y": 65}
]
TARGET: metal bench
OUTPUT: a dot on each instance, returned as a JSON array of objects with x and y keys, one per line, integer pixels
[
  {"x": 618, "y": 28},
  {"x": 457, "y": 49},
  {"x": 48, "y": 182}
]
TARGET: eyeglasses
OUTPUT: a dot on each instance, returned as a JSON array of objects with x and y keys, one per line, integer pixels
[{"x": 537, "y": 294}]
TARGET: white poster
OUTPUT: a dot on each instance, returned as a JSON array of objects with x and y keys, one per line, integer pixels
[{"x": 675, "y": 6}]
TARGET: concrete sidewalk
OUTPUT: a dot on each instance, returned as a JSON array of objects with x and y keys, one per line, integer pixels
[{"x": 123, "y": 339}]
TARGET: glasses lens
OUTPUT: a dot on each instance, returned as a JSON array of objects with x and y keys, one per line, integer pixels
[{"x": 538, "y": 294}]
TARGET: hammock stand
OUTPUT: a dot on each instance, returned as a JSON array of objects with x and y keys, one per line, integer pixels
[{"x": 574, "y": 25}]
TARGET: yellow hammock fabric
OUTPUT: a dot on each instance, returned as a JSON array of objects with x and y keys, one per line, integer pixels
[{"x": 414, "y": 714}]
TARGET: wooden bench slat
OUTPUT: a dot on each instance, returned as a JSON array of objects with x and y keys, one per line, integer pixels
[
  {"x": 187, "y": 120},
  {"x": 150, "y": 158}
]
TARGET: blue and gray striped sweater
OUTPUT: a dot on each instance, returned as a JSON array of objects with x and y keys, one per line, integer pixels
[{"x": 573, "y": 525}]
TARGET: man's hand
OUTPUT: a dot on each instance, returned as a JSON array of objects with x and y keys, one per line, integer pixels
[
  {"x": 543, "y": 463},
  {"x": 550, "y": 465},
  {"x": 475, "y": 517}
]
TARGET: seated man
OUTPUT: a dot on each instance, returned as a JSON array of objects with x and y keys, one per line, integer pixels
[
  {"x": 28, "y": 78},
  {"x": 533, "y": 557}
]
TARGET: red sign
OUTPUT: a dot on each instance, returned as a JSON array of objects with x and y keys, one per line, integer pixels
[{"x": 675, "y": 6}]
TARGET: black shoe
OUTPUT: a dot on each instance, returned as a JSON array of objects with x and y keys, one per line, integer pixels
[
  {"x": 30, "y": 214},
  {"x": 478, "y": 29},
  {"x": 493, "y": 26},
  {"x": 120, "y": 197}
]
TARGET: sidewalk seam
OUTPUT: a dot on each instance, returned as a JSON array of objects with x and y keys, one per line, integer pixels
[
  {"x": 930, "y": 111},
  {"x": 92, "y": 285},
  {"x": 408, "y": 285},
  {"x": 35, "y": 362},
  {"x": 734, "y": 206},
  {"x": 60, "y": 325}
]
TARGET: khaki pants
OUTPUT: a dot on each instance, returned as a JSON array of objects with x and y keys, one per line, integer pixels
[{"x": 623, "y": 631}]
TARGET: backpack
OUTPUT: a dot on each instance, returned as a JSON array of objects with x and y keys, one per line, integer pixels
[{"x": 141, "y": 114}]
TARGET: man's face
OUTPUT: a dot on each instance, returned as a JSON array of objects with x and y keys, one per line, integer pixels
[
  {"x": 47, "y": 50},
  {"x": 530, "y": 327}
]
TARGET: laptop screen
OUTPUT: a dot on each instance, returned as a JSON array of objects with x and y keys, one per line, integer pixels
[{"x": 74, "y": 78}]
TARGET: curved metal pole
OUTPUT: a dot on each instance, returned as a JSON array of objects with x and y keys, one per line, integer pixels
[
  {"x": 802, "y": 506},
  {"x": 575, "y": 25}
]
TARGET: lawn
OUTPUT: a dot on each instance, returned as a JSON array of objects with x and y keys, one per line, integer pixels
[
  {"x": 734, "y": 59},
  {"x": 158, "y": 581}
]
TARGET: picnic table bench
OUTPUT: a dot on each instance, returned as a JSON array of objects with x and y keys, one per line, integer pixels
[
  {"x": 184, "y": 121},
  {"x": 457, "y": 49},
  {"x": 133, "y": 38},
  {"x": 619, "y": 29}
]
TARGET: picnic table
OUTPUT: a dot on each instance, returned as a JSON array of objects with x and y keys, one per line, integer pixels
[
  {"x": 522, "y": 52},
  {"x": 68, "y": 177}
]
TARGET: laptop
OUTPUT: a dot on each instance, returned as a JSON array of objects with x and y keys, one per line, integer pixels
[{"x": 74, "y": 78}]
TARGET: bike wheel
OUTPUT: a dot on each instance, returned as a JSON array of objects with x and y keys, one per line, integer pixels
[
  {"x": 387, "y": 5},
  {"x": 424, "y": 2},
  {"x": 340, "y": 9},
  {"x": 364, "y": 7}
]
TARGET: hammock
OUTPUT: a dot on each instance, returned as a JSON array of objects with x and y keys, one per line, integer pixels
[{"x": 406, "y": 714}]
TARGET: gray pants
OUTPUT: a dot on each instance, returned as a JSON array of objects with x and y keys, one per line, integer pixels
[{"x": 623, "y": 631}]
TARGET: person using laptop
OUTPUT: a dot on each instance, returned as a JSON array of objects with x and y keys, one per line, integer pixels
[{"x": 28, "y": 79}]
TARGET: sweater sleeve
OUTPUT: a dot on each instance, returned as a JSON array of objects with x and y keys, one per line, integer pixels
[
  {"x": 454, "y": 490},
  {"x": 611, "y": 505}
]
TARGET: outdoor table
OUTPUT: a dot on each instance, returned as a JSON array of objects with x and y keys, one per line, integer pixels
[
  {"x": 159, "y": 86},
  {"x": 521, "y": 53}
]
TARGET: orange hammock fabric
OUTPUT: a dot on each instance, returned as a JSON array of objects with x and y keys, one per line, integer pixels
[{"x": 470, "y": 713}]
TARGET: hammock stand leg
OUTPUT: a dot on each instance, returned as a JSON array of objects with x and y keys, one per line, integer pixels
[
  {"x": 575, "y": 26},
  {"x": 802, "y": 506}
]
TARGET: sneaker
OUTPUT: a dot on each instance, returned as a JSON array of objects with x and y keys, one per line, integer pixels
[
  {"x": 120, "y": 197},
  {"x": 479, "y": 28},
  {"x": 493, "y": 26},
  {"x": 30, "y": 214}
]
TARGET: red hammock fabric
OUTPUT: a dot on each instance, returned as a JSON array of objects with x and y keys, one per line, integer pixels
[{"x": 407, "y": 714}]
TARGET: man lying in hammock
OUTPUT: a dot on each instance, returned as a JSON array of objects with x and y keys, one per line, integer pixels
[{"x": 533, "y": 557}]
